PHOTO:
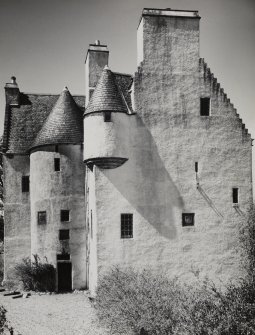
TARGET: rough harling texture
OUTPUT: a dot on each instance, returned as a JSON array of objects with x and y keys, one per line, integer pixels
[
  {"x": 158, "y": 181},
  {"x": 63, "y": 125},
  {"x": 23, "y": 123},
  {"x": 53, "y": 191},
  {"x": 16, "y": 214},
  {"x": 107, "y": 95}
]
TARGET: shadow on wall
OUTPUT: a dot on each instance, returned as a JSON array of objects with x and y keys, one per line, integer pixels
[{"x": 144, "y": 181}]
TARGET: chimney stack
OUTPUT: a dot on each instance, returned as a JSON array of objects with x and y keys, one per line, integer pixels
[
  {"x": 12, "y": 93},
  {"x": 96, "y": 59}
]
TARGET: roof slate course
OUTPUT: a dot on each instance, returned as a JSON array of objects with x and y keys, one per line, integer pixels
[{"x": 108, "y": 94}]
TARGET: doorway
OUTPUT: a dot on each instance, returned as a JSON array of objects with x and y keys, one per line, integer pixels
[{"x": 64, "y": 276}]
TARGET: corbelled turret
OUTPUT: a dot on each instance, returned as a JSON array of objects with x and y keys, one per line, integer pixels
[{"x": 104, "y": 136}]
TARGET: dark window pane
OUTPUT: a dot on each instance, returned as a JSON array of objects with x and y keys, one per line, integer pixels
[
  {"x": 126, "y": 225},
  {"x": 188, "y": 219},
  {"x": 107, "y": 117},
  {"x": 64, "y": 215},
  {"x": 205, "y": 106},
  {"x": 196, "y": 166},
  {"x": 57, "y": 164},
  {"x": 235, "y": 195},
  {"x": 64, "y": 234},
  {"x": 42, "y": 219},
  {"x": 25, "y": 183}
]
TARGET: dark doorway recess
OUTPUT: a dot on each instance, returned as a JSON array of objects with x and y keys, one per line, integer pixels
[{"x": 64, "y": 276}]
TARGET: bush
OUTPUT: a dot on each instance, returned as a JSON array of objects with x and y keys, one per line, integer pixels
[
  {"x": 2, "y": 319},
  {"x": 128, "y": 301},
  {"x": 36, "y": 276}
]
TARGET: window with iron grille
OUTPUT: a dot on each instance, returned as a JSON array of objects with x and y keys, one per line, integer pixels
[
  {"x": 188, "y": 219},
  {"x": 126, "y": 225},
  {"x": 25, "y": 184},
  {"x": 204, "y": 106},
  {"x": 64, "y": 215},
  {"x": 235, "y": 195},
  {"x": 57, "y": 164},
  {"x": 64, "y": 234},
  {"x": 41, "y": 217}
]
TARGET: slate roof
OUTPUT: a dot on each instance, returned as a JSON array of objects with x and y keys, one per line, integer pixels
[
  {"x": 23, "y": 123},
  {"x": 63, "y": 125},
  {"x": 108, "y": 94}
]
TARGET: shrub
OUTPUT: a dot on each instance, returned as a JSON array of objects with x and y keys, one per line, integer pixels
[
  {"x": 35, "y": 275},
  {"x": 128, "y": 301},
  {"x": 2, "y": 319}
]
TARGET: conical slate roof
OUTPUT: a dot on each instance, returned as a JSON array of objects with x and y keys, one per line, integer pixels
[
  {"x": 107, "y": 95},
  {"x": 64, "y": 123}
]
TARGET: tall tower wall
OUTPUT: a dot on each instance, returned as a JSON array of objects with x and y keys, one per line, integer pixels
[
  {"x": 159, "y": 182},
  {"x": 17, "y": 214}
]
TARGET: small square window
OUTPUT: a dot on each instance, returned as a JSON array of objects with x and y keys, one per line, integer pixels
[
  {"x": 57, "y": 164},
  {"x": 64, "y": 234},
  {"x": 204, "y": 106},
  {"x": 42, "y": 218},
  {"x": 25, "y": 184},
  {"x": 107, "y": 117},
  {"x": 63, "y": 257},
  {"x": 126, "y": 225},
  {"x": 235, "y": 195},
  {"x": 188, "y": 219},
  {"x": 64, "y": 215}
]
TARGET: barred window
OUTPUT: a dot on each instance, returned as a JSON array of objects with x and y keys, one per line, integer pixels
[
  {"x": 64, "y": 234},
  {"x": 64, "y": 215},
  {"x": 41, "y": 217},
  {"x": 126, "y": 225},
  {"x": 204, "y": 106},
  {"x": 25, "y": 184},
  {"x": 188, "y": 219}
]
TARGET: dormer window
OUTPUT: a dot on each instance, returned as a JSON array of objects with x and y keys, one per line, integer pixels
[{"x": 107, "y": 117}]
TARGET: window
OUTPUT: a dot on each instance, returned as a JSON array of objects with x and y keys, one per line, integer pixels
[
  {"x": 196, "y": 167},
  {"x": 235, "y": 195},
  {"x": 25, "y": 184},
  {"x": 56, "y": 148},
  {"x": 41, "y": 218},
  {"x": 57, "y": 164},
  {"x": 64, "y": 234},
  {"x": 107, "y": 117},
  {"x": 204, "y": 106},
  {"x": 188, "y": 219},
  {"x": 64, "y": 215},
  {"x": 126, "y": 225},
  {"x": 63, "y": 257}
]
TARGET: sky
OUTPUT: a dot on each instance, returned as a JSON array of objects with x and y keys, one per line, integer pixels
[{"x": 44, "y": 42}]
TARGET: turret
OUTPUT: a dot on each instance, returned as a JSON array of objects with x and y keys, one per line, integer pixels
[
  {"x": 57, "y": 193},
  {"x": 106, "y": 124}
]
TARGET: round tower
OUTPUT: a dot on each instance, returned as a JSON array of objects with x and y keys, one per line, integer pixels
[
  {"x": 106, "y": 125},
  {"x": 57, "y": 193}
]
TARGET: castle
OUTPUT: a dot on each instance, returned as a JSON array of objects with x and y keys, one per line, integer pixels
[{"x": 149, "y": 171}]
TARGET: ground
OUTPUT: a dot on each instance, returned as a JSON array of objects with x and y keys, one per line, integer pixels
[{"x": 57, "y": 314}]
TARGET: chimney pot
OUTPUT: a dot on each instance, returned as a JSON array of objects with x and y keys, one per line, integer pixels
[
  {"x": 13, "y": 79},
  {"x": 97, "y": 42}
]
